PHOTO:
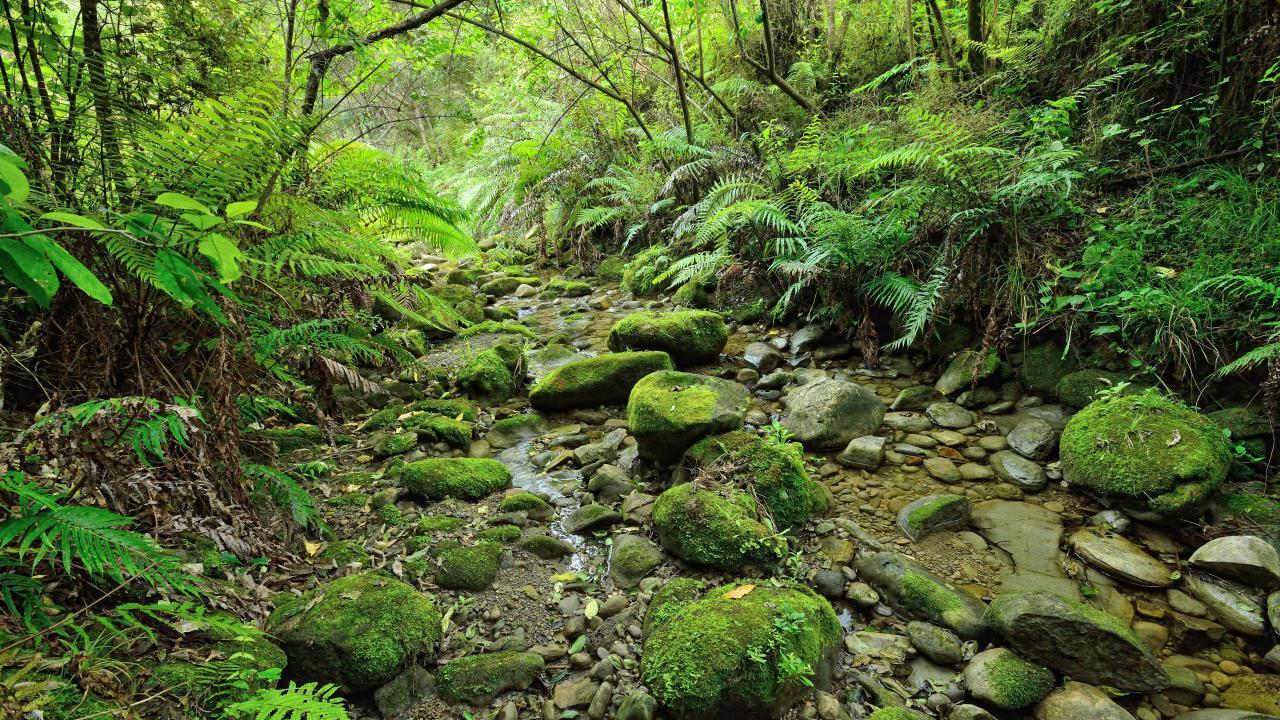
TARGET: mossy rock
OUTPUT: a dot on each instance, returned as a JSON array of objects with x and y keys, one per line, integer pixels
[
  {"x": 463, "y": 478},
  {"x": 641, "y": 274},
  {"x": 461, "y": 276},
  {"x": 358, "y": 631},
  {"x": 390, "y": 444},
  {"x": 753, "y": 311},
  {"x": 668, "y": 411},
  {"x": 1079, "y": 388},
  {"x": 601, "y": 380},
  {"x": 720, "y": 529},
  {"x": 526, "y": 502},
  {"x": 501, "y": 286},
  {"x": 469, "y": 568},
  {"x": 439, "y": 428},
  {"x": 915, "y": 592},
  {"x": 351, "y": 499},
  {"x": 1000, "y": 678},
  {"x": 692, "y": 295},
  {"x": 690, "y": 337},
  {"x": 487, "y": 376},
  {"x": 893, "y": 713},
  {"x": 384, "y": 418},
  {"x": 611, "y": 268},
  {"x": 227, "y": 651},
  {"x": 390, "y": 515},
  {"x": 966, "y": 368},
  {"x": 673, "y": 595},
  {"x": 774, "y": 472},
  {"x": 1042, "y": 367},
  {"x": 293, "y": 438},
  {"x": 545, "y": 546},
  {"x": 454, "y": 407},
  {"x": 703, "y": 662},
  {"x": 440, "y": 523},
  {"x": 345, "y": 552},
  {"x": 500, "y": 534},
  {"x": 560, "y": 287},
  {"x": 478, "y": 679},
  {"x": 1155, "y": 454},
  {"x": 496, "y": 327}
]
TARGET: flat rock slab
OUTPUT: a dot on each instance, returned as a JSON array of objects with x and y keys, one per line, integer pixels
[
  {"x": 1031, "y": 535},
  {"x": 1116, "y": 556},
  {"x": 931, "y": 513},
  {"x": 1246, "y": 558}
]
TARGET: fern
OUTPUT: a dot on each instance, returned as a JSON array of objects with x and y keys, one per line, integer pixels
[
  {"x": 286, "y": 492},
  {"x": 295, "y": 702}
]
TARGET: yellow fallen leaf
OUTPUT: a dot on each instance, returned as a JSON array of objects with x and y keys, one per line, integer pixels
[
  {"x": 312, "y": 547},
  {"x": 740, "y": 591},
  {"x": 564, "y": 577},
  {"x": 592, "y": 609}
]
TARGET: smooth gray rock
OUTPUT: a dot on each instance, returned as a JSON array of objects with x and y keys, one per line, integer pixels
[
  {"x": 1033, "y": 438},
  {"x": 631, "y": 558},
  {"x": 829, "y": 414},
  {"x": 807, "y": 338},
  {"x": 763, "y": 357},
  {"x": 950, "y": 415},
  {"x": 1118, "y": 557},
  {"x": 1238, "y": 608},
  {"x": 933, "y": 512},
  {"x": 936, "y": 643},
  {"x": 1078, "y": 701},
  {"x": 1017, "y": 470},
  {"x": 864, "y": 453},
  {"x": 916, "y": 397},
  {"x": 1245, "y": 558},
  {"x": 591, "y": 517}
]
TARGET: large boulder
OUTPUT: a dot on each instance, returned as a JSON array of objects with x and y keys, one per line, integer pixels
[
  {"x": 601, "y": 380},
  {"x": 827, "y": 414},
  {"x": 1076, "y": 640},
  {"x": 463, "y": 478},
  {"x": 718, "y": 527},
  {"x": 917, "y": 593},
  {"x": 742, "y": 651},
  {"x": 478, "y": 679},
  {"x": 668, "y": 411},
  {"x": 966, "y": 368},
  {"x": 1081, "y": 387},
  {"x": 1042, "y": 366},
  {"x": 1156, "y": 456},
  {"x": 774, "y": 472},
  {"x": 359, "y": 631},
  {"x": 690, "y": 337}
]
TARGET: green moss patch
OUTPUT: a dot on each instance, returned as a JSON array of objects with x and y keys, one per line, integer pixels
[
  {"x": 668, "y": 411},
  {"x": 469, "y": 568},
  {"x": 440, "y": 523},
  {"x": 464, "y": 478},
  {"x": 669, "y": 599},
  {"x": 1079, "y": 388},
  {"x": 487, "y": 375},
  {"x": 500, "y": 534},
  {"x": 773, "y": 471},
  {"x": 477, "y": 679},
  {"x": 601, "y": 380},
  {"x": 716, "y": 529},
  {"x": 690, "y": 337},
  {"x": 493, "y": 327}
]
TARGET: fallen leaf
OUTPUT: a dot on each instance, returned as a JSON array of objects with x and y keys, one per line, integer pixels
[
  {"x": 950, "y": 453},
  {"x": 739, "y": 592},
  {"x": 591, "y": 609},
  {"x": 1175, "y": 439},
  {"x": 312, "y": 547}
]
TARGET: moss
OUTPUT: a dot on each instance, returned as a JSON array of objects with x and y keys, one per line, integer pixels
[
  {"x": 691, "y": 294},
  {"x": 523, "y": 501},
  {"x": 667, "y": 601},
  {"x": 351, "y": 499},
  {"x": 70, "y": 702},
  {"x": 690, "y": 337},
  {"x": 439, "y": 428},
  {"x": 469, "y": 568},
  {"x": 669, "y": 410},
  {"x": 511, "y": 354},
  {"x": 545, "y": 546},
  {"x": 775, "y": 472},
  {"x": 753, "y": 311},
  {"x": 1256, "y": 509},
  {"x": 720, "y": 656},
  {"x": 1147, "y": 448},
  {"x": 500, "y": 533},
  {"x": 920, "y": 515},
  {"x": 893, "y": 713},
  {"x": 295, "y": 437},
  {"x": 1079, "y": 388},
  {"x": 488, "y": 376},
  {"x": 560, "y": 287},
  {"x": 465, "y": 478},
  {"x": 634, "y": 560},
  {"x": 1017, "y": 683},
  {"x": 460, "y": 276},
  {"x": 476, "y": 679},
  {"x": 386, "y": 417},
  {"x": 492, "y": 327},
  {"x": 706, "y": 528},
  {"x": 390, "y": 444},
  {"x": 390, "y": 515},
  {"x": 453, "y": 407},
  {"x": 601, "y": 380},
  {"x": 517, "y": 424},
  {"x": 440, "y": 523},
  {"x": 359, "y": 630},
  {"x": 611, "y": 268},
  {"x": 1043, "y": 366},
  {"x": 922, "y": 597},
  {"x": 502, "y": 285},
  {"x": 345, "y": 552}
]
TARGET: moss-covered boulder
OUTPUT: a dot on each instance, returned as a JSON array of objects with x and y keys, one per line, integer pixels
[
  {"x": 547, "y": 547},
  {"x": 917, "y": 593},
  {"x": 611, "y": 268},
  {"x": 561, "y": 287},
  {"x": 690, "y": 337},
  {"x": 468, "y": 568},
  {"x": 723, "y": 656},
  {"x": 359, "y": 631},
  {"x": 452, "y": 407},
  {"x": 478, "y": 679},
  {"x": 1043, "y": 366},
  {"x": 999, "y": 678},
  {"x": 439, "y": 428},
  {"x": 1076, "y": 640},
  {"x": 390, "y": 444},
  {"x": 1152, "y": 453},
  {"x": 601, "y": 380},
  {"x": 531, "y": 504},
  {"x": 292, "y": 438},
  {"x": 1079, "y": 388},
  {"x": 718, "y": 528},
  {"x": 966, "y": 368},
  {"x": 464, "y": 478},
  {"x": 239, "y": 648},
  {"x": 773, "y": 471},
  {"x": 668, "y": 411},
  {"x": 670, "y": 598},
  {"x": 487, "y": 375}
]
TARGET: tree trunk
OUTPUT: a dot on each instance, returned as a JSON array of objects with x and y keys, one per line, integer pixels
[
  {"x": 98, "y": 88},
  {"x": 675, "y": 68},
  {"x": 977, "y": 59}
]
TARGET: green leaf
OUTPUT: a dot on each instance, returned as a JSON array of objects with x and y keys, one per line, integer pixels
[
  {"x": 202, "y": 222},
  {"x": 179, "y": 201},
  {"x": 240, "y": 209},
  {"x": 75, "y": 271},
  {"x": 13, "y": 184},
  {"x": 79, "y": 221},
  {"x": 225, "y": 255}
]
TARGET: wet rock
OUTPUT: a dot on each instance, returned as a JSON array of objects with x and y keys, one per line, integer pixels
[
  {"x": 828, "y": 414},
  {"x": 916, "y": 397},
  {"x": 865, "y": 453},
  {"x": 547, "y": 547},
  {"x": 1019, "y": 471},
  {"x": 775, "y": 380},
  {"x": 1118, "y": 557},
  {"x": 938, "y": 644},
  {"x": 950, "y": 415},
  {"x": 631, "y": 558},
  {"x": 1078, "y": 701},
  {"x": 933, "y": 512},
  {"x": 924, "y": 675},
  {"x": 591, "y": 517},
  {"x": 1111, "y": 520},
  {"x": 1238, "y": 608},
  {"x": 763, "y": 357},
  {"x": 1245, "y": 558},
  {"x": 601, "y": 380},
  {"x": 969, "y": 712},
  {"x": 828, "y": 583},
  {"x": 917, "y": 593},
  {"x": 669, "y": 411},
  {"x": 639, "y": 705},
  {"x": 1034, "y": 439},
  {"x": 966, "y": 368},
  {"x": 1076, "y": 640},
  {"x": 1002, "y": 679},
  {"x": 610, "y": 483},
  {"x": 1192, "y": 634},
  {"x": 574, "y": 692},
  {"x": 807, "y": 338},
  {"x": 478, "y": 679}
]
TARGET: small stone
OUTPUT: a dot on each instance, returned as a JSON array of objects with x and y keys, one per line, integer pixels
[
  {"x": 1033, "y": 438},
  {"x": 1018, "y": 471},
  {"x": 938, "y": 644},
  {"x": 865, "y": 453},
  {"x": 1005, "y": 680},
  {"x": 949, "y": 415},
  {"x": 1246, "y": 558},
  {"x": 942, "y": 469},
  {"x": 862, "y": 595}
]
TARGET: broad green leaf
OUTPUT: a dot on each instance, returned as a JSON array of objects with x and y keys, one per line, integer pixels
[
  {"x": 79, "y": 221},
  {"x": 28, "y": 269},
  {"x": 179, "y": 201},
  {"x": 202, "y": 222},
  {"x": 13, "y": 184},
  {"x": 225, "y": 255},
  {"x": 252, "y": 224},
  {"x": 240, "y": 209},
  {"x": 75, "y": 271}
]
